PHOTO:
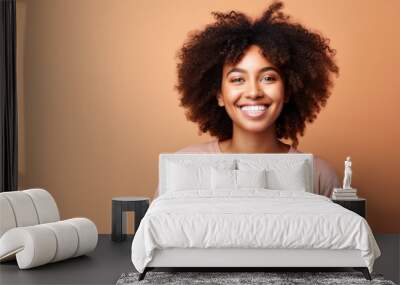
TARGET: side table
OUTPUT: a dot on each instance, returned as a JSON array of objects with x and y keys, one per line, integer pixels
[
  {"x": 121, "y": 205},
  {"x": 358, "y": 205}
]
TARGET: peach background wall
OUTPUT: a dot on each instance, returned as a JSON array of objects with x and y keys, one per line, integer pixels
[{"x": 97, "y": 104}]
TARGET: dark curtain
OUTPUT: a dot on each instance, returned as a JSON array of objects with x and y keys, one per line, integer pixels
[{"x": 8, "y": 98}]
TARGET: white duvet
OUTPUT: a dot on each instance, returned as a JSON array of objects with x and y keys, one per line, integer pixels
[{"x": 251, "y": 218}]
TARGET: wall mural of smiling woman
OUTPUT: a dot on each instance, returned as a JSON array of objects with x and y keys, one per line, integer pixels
[
  {"x": 251, "y": 84},
  {"x": 100, "y": 107}
]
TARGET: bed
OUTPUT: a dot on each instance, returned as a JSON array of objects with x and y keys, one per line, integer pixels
[{"x": 247, "y": 210}]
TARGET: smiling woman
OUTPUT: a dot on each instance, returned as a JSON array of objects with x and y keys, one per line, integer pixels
[
  {"x": 252, "y": 93},
  {"x": 252, "y": 83}
]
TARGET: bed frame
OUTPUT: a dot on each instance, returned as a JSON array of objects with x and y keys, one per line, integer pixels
[
  {"x": 247, "y": 259},
  {"x": 251, "y": 258}
]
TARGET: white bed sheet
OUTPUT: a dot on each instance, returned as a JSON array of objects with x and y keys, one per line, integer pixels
[{"x": 250, "y": 218}]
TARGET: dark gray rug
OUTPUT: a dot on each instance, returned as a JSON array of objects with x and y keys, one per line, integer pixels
[{"x": 270, "y": 278}]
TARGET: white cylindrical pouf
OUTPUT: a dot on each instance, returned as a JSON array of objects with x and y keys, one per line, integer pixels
[
  {"x": 67, "y": 239},
  {"x": 87, "y": 234},
  {"x": 7, "y": 218},
  {"x": 23, "y": 208},
  {"x": 34, "y": 245},
  {"x": 45, "y": 205}
]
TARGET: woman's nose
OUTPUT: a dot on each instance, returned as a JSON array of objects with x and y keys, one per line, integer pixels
[{"x": 253, "y": 91}]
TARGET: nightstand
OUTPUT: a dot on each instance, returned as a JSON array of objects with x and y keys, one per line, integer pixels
[
  {"x": 121, "y": 205},
  {"x": 358, "y": 205}
]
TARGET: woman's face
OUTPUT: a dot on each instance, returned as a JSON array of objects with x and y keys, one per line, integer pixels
[{"x": 252, "y": 92}]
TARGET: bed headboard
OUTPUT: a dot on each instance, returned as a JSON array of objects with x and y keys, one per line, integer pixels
[{"x": 236, "y": 158}]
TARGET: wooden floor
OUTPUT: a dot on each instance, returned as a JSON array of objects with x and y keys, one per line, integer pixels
[{"x": 111, "y": 259}]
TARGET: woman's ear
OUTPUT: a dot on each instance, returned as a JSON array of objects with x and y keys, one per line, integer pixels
[{"x": 220, "y": 100}]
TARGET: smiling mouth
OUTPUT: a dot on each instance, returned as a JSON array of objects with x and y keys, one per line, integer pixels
[{"x": 253, "y": 111}]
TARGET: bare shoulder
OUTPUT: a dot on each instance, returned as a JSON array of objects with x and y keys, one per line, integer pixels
[
  {"x": 320, "y": 163},
  {"x": 323, "y": 166},
  {"x": 326, "y": 177}
]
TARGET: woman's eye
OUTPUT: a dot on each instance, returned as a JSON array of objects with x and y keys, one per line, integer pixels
[
  {"x": 237, "y": 80},
  {"x": 269, "y": 78}
]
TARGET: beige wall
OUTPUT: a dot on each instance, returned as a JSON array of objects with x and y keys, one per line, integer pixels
[{"x": 97, "y": 105}]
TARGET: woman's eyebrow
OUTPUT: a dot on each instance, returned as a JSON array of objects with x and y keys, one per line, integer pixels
[{"x": 237, "y": 69}]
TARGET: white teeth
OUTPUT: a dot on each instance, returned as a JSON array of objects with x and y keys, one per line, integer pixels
[{"x": 253, "y": 108}]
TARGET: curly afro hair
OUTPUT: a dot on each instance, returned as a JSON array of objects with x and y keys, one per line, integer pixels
[{"x": 304, "y": 59}]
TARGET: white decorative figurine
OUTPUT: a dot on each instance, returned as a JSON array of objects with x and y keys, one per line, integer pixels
[
  {"x": 347, "y": 192},
  {"x": 347, "y": 174}
]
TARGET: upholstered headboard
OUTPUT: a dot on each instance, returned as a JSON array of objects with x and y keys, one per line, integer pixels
[{"x": 280, "y": 162}]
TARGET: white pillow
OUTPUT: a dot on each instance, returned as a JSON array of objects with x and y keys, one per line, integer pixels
[
  {"x": 236, "y": 179},
  {"x": 181, "y": 177},
  {"x": 185, "y": 174},
  {"x": 293, "y": 179},
  {"x": 281, "y": 174},
  {"x": 223, "y": 179},
  {"x": 251, "y": 178}
]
